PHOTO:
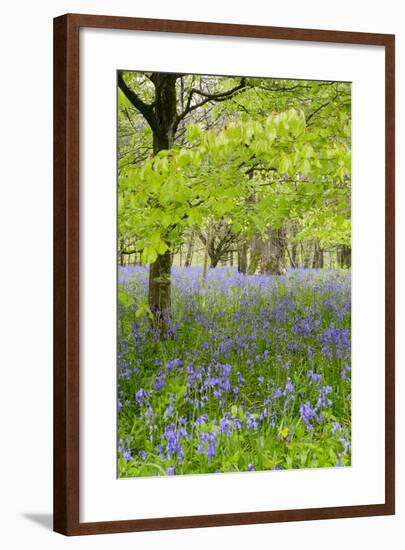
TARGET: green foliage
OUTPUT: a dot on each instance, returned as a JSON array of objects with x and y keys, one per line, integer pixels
[{"x": 252, "y": 173}]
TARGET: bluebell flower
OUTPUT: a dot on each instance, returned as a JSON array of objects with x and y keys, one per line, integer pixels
[
  {"x": 169, "y": 410},
  {"x": 173, "y": 364},
  {"x": 209, "y": 443},
  {"x": 313, "y": 376},
  {"x": 277, "y": 394},
  {"x": 335, "y": 427},
  {"x": 161, "y": 452},
  {"x": 160, "y": 381},
  {"x": 251, "y": 422},
  {"x": 323, "y": 401},
  {"x": 289, "y": 388},
  {"x": 126, "y": 453},
  {"x": 307, "y": 414},
  {"x": 140, "y": 396},
  {"x": 201, "y": 419},
  {"x": 225, "y": 426}
]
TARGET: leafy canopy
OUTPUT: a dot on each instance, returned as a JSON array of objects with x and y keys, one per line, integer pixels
[{"x": 253, "y": 173}]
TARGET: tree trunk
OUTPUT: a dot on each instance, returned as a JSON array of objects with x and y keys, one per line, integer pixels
[
  {"x": 268, "y": 256},
  {"x": 242, "y": 257},
  {"x": 273, "y": 258},
  {"x": 205, "y": 264},
  {"x": 306, "y": 257},
  {"x": 317, "y": 262},
  {"x": 165, "y": 111},
  {"x": 294, "y": 254},
  {"x": 121, "y": 251},
  {"x": 217, "y": 242},
  {"x": 160, "y": 291},
  {"x": 344, "y": 256},
  {"x": 256, "y": 246},
  {"x": 348, "y": 256},
  {"x": 190, "y": 250},
  {"x": 160, "y": 270}
]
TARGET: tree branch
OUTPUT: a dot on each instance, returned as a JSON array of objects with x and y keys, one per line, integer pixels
[
  {"x": 317, "y": 110},
  {"x": 129, "y": 252},
  {"x": 284, "y": 88},
  {"x": 221, "y": 96},
  {"x": 144, "y": 108}
]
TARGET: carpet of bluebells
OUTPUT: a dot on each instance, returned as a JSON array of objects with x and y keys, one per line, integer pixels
[{"x": 255, "y": 373}]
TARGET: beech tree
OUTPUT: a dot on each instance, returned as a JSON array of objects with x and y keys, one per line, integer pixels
[
  {"x": 162, "y": 115},
  {"x": 246, "y": 167}
]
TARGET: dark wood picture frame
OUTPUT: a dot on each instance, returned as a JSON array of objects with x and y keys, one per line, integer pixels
[{"x": 67, "y": 284}]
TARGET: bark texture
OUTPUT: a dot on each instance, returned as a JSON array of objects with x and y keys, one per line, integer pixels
[
  {"x": 160, "y": 291},
  {"x": 242, "y": 257},
  {"x": 268, "y": 255}
]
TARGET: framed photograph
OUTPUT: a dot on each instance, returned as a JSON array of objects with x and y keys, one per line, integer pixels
[{"x": 223, "y": 274}]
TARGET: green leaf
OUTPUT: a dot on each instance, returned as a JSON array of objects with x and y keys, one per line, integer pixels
[
  {"x": 284, "y": 164},
  {"x": 304, "y": 167},
  {"x": 124, "y": 298},
  {"x": 162, "y": 247},
  {"x": 149, "y": 255},
  {"x": 193, "y": 132}
]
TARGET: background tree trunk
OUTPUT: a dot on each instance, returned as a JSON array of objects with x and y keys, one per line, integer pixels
[
  {"x": 121, "y": 251},
  {"x": 294, "y": 254},
  {"x": 294, "y": 228},
  {"x": 344, "y": 256},
  {"x": 256, "y": 249},
  {"x": 242, "y": 257},
  {"x": 206, "y": 256},
  {"x": 273, "y": 256},
  {"x": 306, "y": 255},
  {"x": 217, "y": 240},
  {"x": 190, "y": 250},
  {"x": 268, "y": 255},
  {"x": 317, "y": 262}
]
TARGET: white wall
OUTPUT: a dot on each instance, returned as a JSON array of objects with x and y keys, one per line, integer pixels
[{"x": 26, "y": 273}]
